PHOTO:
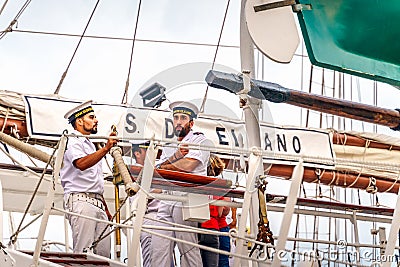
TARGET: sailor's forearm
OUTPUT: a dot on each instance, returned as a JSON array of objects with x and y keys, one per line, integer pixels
[
  {"x": 182, "y": 165},
  {"x": 90, "y": 160}
]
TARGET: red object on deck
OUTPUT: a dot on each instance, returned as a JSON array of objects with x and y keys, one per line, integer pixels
[{"x": 19, "y": 125}]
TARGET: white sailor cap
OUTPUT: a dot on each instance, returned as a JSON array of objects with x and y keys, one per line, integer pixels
[
  {"x": 185, "y": 108},
  {"x": 79, "y": 111}
]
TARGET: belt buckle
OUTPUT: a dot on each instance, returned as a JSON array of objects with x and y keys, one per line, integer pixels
[{"x": 94, "y": 195}]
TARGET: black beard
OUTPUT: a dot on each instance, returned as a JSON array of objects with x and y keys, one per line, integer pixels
[
  {"x": 181, "y": 133},
  {"x": 92, "y": 131}
]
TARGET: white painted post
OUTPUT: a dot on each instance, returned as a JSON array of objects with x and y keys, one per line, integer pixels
[
  {"x": 356, "y": 235},
  {"x": 297, "y": 177},
  {"x": 49, "y": 199},
  {"x": 66, "y": 234},
  {"x": 147, "y": 176},
  {"x": 250, "y": 109},
  {"x": 393, "y": 234}
]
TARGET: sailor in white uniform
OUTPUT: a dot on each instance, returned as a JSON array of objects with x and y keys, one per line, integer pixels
[
  {"x": 184, "y": 160},
  {"x": 83, "y": 181}
]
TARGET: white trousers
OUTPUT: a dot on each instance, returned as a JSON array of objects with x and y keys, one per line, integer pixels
[
  {"x": 84, "y": 231},
  {"x": 163, "y": 248},
  {"x": 145, "y": 243}
]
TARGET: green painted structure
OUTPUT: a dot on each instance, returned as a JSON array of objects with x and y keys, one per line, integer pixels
[{"x": 359, "y": 37}]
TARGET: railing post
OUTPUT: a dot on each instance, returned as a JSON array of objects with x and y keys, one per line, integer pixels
[
  {"x": 147, "y": 176},
  {"x": 66, "y": 234},
  {"x": 297, "y": 177},
  {"x": 50, "y": 199},
  {"x": 393, "y": 235}
]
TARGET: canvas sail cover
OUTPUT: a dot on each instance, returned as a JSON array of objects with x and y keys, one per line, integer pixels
[
  {"x": 11, "y": 105},
  {"x": 359, "y": 37}
]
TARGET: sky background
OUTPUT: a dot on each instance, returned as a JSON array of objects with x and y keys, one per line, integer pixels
[{"x": 33, "y": 63}]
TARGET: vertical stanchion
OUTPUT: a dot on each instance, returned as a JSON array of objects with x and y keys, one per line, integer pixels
[
  {"x": 147, "y": 176},
  {"x": 297, "y": 177},
  {"x": 393, "y": 235},
  {"x": 66, "y": 234},
  {"x": 49, "y": 199}
]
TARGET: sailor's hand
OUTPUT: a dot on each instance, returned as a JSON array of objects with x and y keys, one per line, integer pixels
[
  {"x": 181, "y": 152},
  {"x": 111, "y": 142}
]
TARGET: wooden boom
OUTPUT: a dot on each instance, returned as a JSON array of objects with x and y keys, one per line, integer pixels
[
  {"x": 278, "y": 94},
  {"x": 191, "y": 182}
]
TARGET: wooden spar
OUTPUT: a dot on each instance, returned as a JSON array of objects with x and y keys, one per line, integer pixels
[
  {"x": 336, "y": 178},
  {"x": 17, "y": 125},
  {"x": 196, "y": 188},
  {"x": 186, "y": 182},
  {"x": 185, "y": 177},
  {"x": 279, "y": 94},
  {"x": 327, "y": 177},
  {"x": 210, "y": 189},
  {"x": 352, "y": 140}
]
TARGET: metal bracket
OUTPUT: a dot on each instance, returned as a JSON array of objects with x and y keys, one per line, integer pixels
[
  {"x": 300, "y": 7},
  {"x": 396, "y": 128},
  {"x": 261, "y": 180},
  {"x": 274, "y": 5},
  {"x": 14, "y": 130}
]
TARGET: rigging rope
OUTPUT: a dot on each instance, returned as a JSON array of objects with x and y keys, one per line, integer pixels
[
  {"x": 14, "y": 237},
  {"x": 375, "y": 100},
  {"x": 126, "y": 39},
  {"x": 15, "y": 20},
  {"x": 215, "y": 54},
  {"x": 359, "y": 98},
  {"x": 103, "y": 234},
  {"x": 322, "y": 93},
  {"x": 76, "y": 49},
  {"x": 4, "y": 5},
  {"x": 309, "y": 91},
  {"x": 125, "y": 96}
]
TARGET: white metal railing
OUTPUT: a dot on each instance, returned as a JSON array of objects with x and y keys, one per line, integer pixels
[
  {"x": 138, "y": 225},
  {"x": 267, "y": 155}
]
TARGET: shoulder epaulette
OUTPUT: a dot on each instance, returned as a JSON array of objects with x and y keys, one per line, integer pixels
[{"x": 198, "y": 133}]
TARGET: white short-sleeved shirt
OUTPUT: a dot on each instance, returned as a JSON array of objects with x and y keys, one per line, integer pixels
[
  {"x": 200, "y": 155},
  {"x": 74, "y": 180}
]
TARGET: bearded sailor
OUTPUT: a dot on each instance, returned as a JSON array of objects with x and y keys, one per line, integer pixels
[
  {"x": 83, "y": 181},
  {"x": 184, "y": 160}
]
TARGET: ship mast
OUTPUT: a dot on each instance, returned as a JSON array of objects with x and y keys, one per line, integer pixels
[{"x": 250, "y": 107}]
